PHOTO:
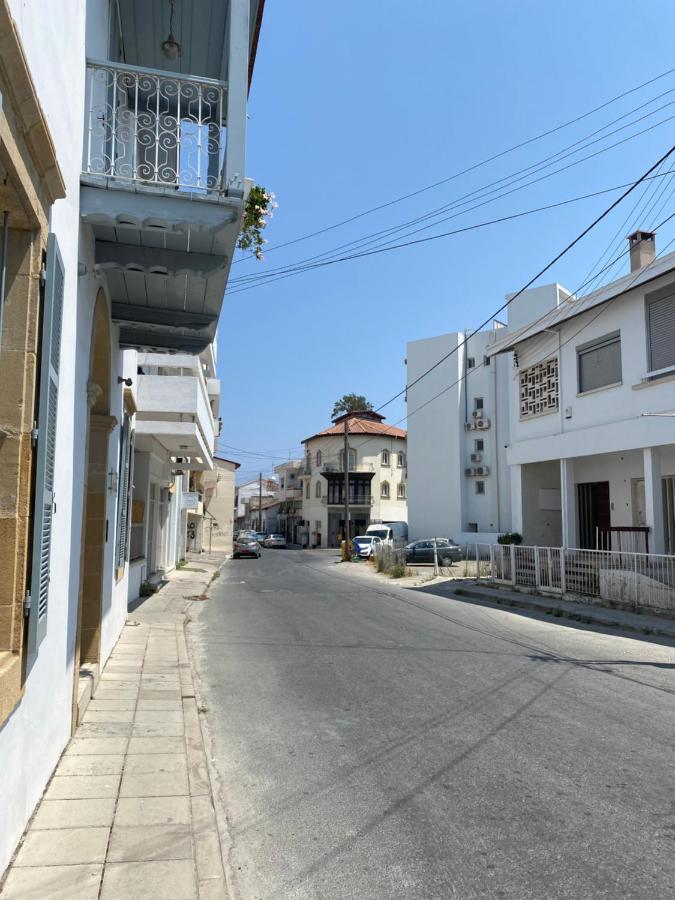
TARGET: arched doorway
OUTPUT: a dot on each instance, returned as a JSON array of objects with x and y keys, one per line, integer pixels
[{"x": 94, "y": 525}]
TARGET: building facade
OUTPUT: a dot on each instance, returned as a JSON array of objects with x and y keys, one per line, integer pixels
[
  {"x": 246, "y": 513},
  {"x": 290, "y": 495},
  {"x": 218, "y": 485},
  {"x": 459, "y": 426},
  {"x": 378, "y": 486},
  {"x": 123, "y": 181},
  {"x": 591, "y": 390}
]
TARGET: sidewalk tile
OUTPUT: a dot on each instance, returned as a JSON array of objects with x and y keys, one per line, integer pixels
[
  {"x": 213, "y": 889},
  {"x": 208, "y": 855},
  {"x": 146, "y": 763},
  {"x": 169, "y": 729},
  {"x": 82, "y": 787},
  {"x": 103, "y": 746},
  {"x": 155, "y": 784},
  {"x": 169, "y": 879},
  {"x": 99, "y": 703},
  {"x": 74, "y": 813},
  {"x": 167, "y": 694},
  {"x": 203, "y": 814},
  {"x": 53, "y": 883},
  {"x": 151, "y": 705},
  {"x": 198, "y": 775},
  {"x": 108, "y": 715},
  {"x": 117, "y": 693},
  {"x": 132, "y": 811},
  {"x": 104, "y": 729},
  {"x": 124, "y": 677},
  {"x": 63, "y": 847},
  {"x": 158, "y": 716},
  {"x": 156, "y": 745},
  {"x": 150, "y": 842},
  {"x": 110, "y": 764}
]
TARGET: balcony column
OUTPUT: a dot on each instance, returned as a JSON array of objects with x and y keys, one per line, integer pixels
[
  {"x": 654, "y": 498},
  {"x": 237, "y": 94},
  {"x": 568, "y": 503},
  {"x": 516, "y": 473}
]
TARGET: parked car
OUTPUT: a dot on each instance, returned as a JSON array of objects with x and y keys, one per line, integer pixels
[
  {"x": 258, "y": 536},
  {"x": 246, "y": 546},
  {"x": 364, "y": 545},
  {"x": 274, "y": 540},
  {"x": 393, "y": 533},
  {"x": 447, "y": 551}
]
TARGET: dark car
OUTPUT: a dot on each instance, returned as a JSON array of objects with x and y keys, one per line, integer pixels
[
  {"x": 246, "y": 546},
  {"x": 447, "y": 551}
]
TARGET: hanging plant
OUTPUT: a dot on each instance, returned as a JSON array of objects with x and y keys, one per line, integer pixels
[{"x": 259, "y": 206}]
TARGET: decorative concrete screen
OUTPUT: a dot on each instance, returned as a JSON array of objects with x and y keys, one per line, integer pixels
[{"x": 539, "y": 389}]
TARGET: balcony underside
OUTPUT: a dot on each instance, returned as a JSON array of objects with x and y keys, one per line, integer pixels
[
  {"x": 179, "y": 439},
  {"x": 165, "y": 256}
]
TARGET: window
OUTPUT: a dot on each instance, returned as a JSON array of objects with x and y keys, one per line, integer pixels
[
  {"x": 480, "y": 487},
  {"x": 282, "y": 482},
  {"x": 478, "y": 445},
  {"x": 472, "y": 527},
  {"x": 400, "y": 460},
  {"x": 478, "y": 403},
  {"x": 384, "y": 490},
  {"x": 538, "y": 389},
  {"x": 352, "y": 460},
  {"x": 599, "y": 363},
  {"x": 308, "y": 489},
  {"x": 661, "y": 330},
  {"x": 400, "y": 491},
  {"x": 124, "y": 485},
  {"x": 291, "y": 476},
  {"x": 317, "y": 489},
  {"x": 318, "y": 457},
  {"x": 486, "y": 360},
  {"x": 385, "y": 457},
  {"x": 470, "y": 362}
]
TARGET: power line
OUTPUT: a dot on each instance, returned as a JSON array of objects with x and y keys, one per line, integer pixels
[
  {"x": 483, "y": 191},
  {"x": 472, "y": 167}
]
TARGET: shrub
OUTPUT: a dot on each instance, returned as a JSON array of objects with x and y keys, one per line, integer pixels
[
  {"x": 146, "y": 589},
  {"x": 510, "y": 537}
]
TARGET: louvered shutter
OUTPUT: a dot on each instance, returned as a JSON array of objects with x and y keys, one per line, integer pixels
[
  {"x": 123, "y": 494},
  {"x": 662, "y": 333},
  {"x": 50, "y": 352}
]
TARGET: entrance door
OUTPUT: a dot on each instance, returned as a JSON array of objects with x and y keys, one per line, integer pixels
[
  {"x": 594, "y": 515},
  {"x": 669, "y": 514},
  {"x": 152, "y": 524}
]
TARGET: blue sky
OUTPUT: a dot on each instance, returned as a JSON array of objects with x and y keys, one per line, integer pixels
[{"x": 354, "y": 104}]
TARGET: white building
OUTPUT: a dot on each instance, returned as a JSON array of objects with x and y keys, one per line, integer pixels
[
  {"x": 290, "y": 498},
  {"x": 592, "y": 399},
  {"x": 459, "y": 424},
  {"x": 218, "y": 487},
  {"x": 377, "y": 478},
  {"x": 122, "y": 172},
  {"x": 246, "y": 516}
]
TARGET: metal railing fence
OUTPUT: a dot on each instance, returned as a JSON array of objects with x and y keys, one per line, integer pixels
[
  {"x": 152, "y": 127},
  {"x": 633, "y": 580}
]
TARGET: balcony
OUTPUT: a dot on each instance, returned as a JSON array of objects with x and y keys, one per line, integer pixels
[
  {"x": 162, "y": 183},
  {"x": 173, "y": 408},
  {"x": 335, "y": 469}
]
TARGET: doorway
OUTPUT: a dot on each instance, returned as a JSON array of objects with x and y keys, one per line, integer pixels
[{"x": 594, "y": 513}]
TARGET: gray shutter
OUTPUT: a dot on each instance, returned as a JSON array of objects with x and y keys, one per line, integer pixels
[
  {"x": 123, "y": 494},
  {"x": 662, "y": 333},
  {"x": 50, "y": 351}
]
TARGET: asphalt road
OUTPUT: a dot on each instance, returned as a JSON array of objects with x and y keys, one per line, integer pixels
[{"x": 379, "y": 742}]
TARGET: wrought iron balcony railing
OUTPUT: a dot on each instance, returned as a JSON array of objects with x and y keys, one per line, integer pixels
[{"x": 150, "y": 127}]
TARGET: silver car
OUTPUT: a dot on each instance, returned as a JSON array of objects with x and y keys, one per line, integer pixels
[{"x": 274, "y": 540}]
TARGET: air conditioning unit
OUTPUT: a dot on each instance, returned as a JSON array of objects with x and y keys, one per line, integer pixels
[
  {"x": 476, "y": 457},
  {"x": 469, "y": 426},
  {"x": 468, "y": 471},
  {"x": 477, "y": 413},
  {"x": 481, "y": 470},
  {"x": 482, "y": 423}
]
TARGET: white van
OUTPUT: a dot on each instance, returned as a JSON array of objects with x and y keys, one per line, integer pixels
[{"x": 395, "y": 534}]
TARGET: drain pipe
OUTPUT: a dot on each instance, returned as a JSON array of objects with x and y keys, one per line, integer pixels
[{"x": 3, "y": 267}]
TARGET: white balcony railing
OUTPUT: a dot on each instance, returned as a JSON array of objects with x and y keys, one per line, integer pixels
[{"x": 155, "y": 128}]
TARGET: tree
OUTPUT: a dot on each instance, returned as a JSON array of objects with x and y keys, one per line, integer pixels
[{"x": 350, "y": 403}]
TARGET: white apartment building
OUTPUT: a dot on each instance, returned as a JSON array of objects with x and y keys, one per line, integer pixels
[
  {"x": 378, "y": 490},
  {"x": 122, "y": 174},
  {"x": 459, "y": 425},
  {"x": 592, "y": 397},
  {"x": 290, "y": 495},
  {"x": 246, "y": 514}
]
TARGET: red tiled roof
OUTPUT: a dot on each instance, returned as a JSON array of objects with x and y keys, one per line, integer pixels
[{"x": 359, "y": 425}]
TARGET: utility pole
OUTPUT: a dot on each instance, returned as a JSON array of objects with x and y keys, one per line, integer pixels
[
  {"x": 346, "y": 486},
  {"x": 260, "y": 503}
]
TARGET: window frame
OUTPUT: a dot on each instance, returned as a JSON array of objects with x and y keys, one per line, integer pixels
[
  {"x": 385, "y": 458},
  {"x": 401, "y": 491},
  {"x": 606, "y": 340},
  {"x": 385, "y": 490},
  {"x": 480, "y": 488},
  {"x": 400, "y": 460},
  {"x": 317, "y": 489},
  {"x": 664, "y": 294}
]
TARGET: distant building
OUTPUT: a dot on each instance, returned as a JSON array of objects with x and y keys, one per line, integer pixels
[
  {"x": 245, "y": 515},
  {"x": 377, "y": 478},
  {"x": 290, "y": 497},
  {"x": 218, "y": 486}
]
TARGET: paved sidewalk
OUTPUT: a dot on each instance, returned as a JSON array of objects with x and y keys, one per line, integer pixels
[{"x": 129, "y": 812}]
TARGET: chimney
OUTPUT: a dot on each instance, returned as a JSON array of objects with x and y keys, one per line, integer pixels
[{"x": 642, "y": 249}]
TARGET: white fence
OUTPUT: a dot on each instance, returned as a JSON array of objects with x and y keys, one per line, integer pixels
[{"x": 635, "y": 580}]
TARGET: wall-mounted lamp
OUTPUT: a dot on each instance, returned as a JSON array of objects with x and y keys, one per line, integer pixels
[{"x": 126, "y": 381}]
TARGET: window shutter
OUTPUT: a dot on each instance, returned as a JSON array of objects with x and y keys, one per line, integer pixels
[
  {"x": 50, "y": 352},
  {"x": 662, "y": 333},
  {"x": 123, "y": 508}
]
